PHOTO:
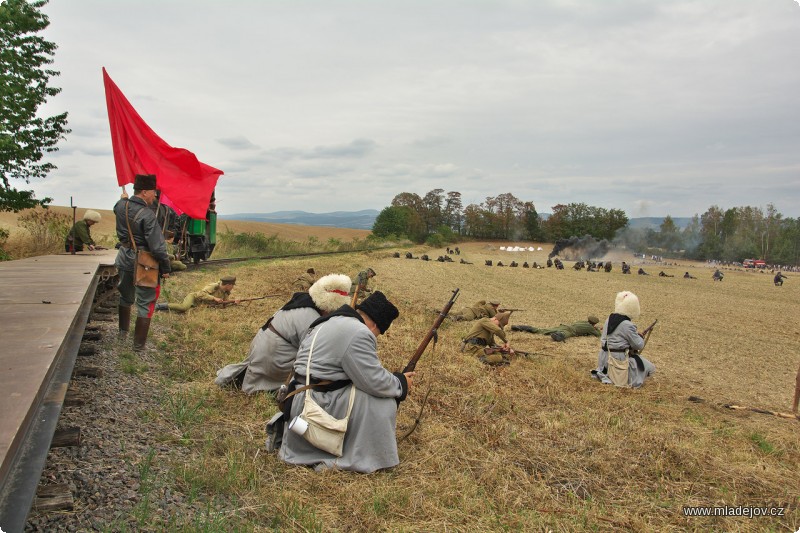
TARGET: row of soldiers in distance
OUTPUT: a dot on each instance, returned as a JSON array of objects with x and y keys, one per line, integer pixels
[{"x": 590, "y": 266}]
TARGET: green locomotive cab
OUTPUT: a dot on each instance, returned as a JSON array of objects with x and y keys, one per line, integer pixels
[
  {"x": 195, "y": 237},
  {"x": 201, "y": 237}
]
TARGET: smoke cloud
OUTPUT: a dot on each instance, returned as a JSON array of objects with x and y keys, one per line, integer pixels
[{"x": 576, "y": 248}]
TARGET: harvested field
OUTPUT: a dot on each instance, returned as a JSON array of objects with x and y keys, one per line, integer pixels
[{"x": 537, "y": 445}]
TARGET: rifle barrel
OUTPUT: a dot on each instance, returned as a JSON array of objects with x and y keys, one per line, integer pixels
[{"x": 432, "y": 333}]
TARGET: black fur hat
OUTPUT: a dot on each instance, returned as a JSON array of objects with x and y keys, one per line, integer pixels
[
  {"x": 379, "y": 309},
  {"x": 144, "y": 182}
]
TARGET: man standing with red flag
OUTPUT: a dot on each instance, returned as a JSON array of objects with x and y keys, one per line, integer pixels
[{"x": 134, "y": 214}]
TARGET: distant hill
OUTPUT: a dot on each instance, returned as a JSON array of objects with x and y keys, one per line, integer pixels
[{"x": 338, "y": 219}]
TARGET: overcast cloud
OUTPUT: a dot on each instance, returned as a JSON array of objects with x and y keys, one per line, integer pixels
[{"x": 655, "y": 107}]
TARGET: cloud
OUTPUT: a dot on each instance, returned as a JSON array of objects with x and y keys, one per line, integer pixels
[
  {"x": 237, "y": 143},
  {"x": 678, "y": 103}
]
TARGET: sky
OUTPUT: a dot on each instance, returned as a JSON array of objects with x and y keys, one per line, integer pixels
[{"x": 654, "y": 107}]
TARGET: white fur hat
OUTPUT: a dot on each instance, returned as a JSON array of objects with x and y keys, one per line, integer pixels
[
  {"x": 331, "y": 292},
  {"x": 627, "y": 304},
  {"x": 94, "y": 216}
]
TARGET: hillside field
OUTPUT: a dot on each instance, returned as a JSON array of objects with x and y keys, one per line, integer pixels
[{"x": 538, "y": 445}]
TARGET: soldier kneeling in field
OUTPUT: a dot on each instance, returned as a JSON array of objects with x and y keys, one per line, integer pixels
[{"x": 480, "y": 341}]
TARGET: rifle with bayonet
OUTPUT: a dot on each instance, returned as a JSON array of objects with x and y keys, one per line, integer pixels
[
  {"x": 433, "y": 333},
  {"x": 226, "y": 303}
]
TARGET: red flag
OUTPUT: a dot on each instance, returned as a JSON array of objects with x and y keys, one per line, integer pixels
[{"x": 138, "y": 150}]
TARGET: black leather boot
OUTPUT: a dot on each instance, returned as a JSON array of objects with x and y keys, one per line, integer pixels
[
  {"x": 124, "y": 322},
  {"x": 140, "y": 333}
]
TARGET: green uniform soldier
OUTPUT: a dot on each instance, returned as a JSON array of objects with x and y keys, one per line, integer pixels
[
  {"x": 305, "y": 281},
  {"x": 565, "y": 331},
  {"x": 362, "y": 279},
  {"x": 212, "y": 293},
  {"x": 80, "y": 236},
  {"x": 480, "y": 309},
  {"x": 480, "y": 341}
]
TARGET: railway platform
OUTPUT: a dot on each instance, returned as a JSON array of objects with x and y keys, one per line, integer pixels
[{"x": 45, "y": 304}]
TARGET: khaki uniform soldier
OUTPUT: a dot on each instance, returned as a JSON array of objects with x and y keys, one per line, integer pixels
[
  {"x": 212, "y": 293},
  {"x": 80, "y": 236},
  {"x": 563, "y": 332},
  {"x": 305, "y": 281},
  {"x": 480, "y": 341},
  {"x": 362, "y": 279},
  {"x": 477, "y": 310}
]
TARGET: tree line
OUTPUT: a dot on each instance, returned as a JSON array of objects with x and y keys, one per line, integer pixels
[
  {"x": 720, "y": 234},
  {"x": 731, "y": 235},
  {"x": 438, "y": 218}
]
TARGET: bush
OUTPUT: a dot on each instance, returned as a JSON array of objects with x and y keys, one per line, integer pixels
[
  {"x": 230, "y": 244},
  {"x": 48, "y": 230},
  {"x": 435, "y": 240}
]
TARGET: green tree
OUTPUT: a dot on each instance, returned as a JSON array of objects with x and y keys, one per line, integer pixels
[
  {"x": 531, "y": 222},
  {"x": 401, "y": 221},
  {"x": 669, "y": 239},
  {"x": 24, "y": 77},
  {"x": 453, "y": 211}
]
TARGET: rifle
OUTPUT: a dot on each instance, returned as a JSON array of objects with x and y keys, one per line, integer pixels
[
  {"x": 433, "y": 333},
  {"x": 510, "y": 310},
  {"x": 511, "y": 351},
  {"x": 635, "y": 353},
  {"x": 232, "y": 302},
  {"x": 646, "y": 333},
  {"x": 361, "y": 286}
]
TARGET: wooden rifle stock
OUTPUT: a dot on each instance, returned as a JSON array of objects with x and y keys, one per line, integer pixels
[
  {"x": 432, "y": 333},
  {"x": 646, "y": 333},
  {"x": 635, "y": 353},
  {"x": 360, "y": 287}
]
